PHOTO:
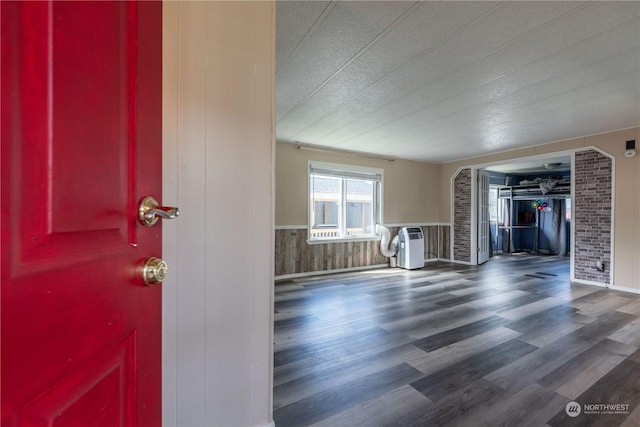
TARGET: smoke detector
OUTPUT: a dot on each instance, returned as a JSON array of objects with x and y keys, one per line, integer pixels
[{"x": 631, "y": 149}]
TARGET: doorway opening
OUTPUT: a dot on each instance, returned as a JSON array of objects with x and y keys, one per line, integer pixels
[{"x": 528, "y": 207}]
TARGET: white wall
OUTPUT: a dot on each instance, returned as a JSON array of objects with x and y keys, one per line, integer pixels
[
  {"x": 411, "y": 189},
  {"x": 218, "y": 162}
]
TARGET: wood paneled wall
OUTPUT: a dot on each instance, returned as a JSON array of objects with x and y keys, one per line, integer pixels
[
  {"x": 293, "y": 255},
  {"x": 445, "y": 242}
]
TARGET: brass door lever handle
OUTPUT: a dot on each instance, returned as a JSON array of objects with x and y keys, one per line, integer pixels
[{"x": 150, "y": 211}]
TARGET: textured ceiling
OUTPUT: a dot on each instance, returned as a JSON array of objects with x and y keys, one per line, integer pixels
[{"x": 440, "y": 81}]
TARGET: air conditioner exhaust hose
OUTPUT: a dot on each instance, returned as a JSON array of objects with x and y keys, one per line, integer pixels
[{"x": 388, "y": 246}]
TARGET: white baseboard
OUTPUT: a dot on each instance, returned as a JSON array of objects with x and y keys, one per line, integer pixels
[
  {"x": 336, "y": 270},
  {"x": 455, "y": 261},
  {"x": 604, "y": 285},
  {"x": 625, "y": 289},
  {"x": 589, "y": 282},
  {"x": 345, "y": 270}
]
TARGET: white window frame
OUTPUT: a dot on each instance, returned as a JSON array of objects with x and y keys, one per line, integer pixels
[{"x": 343, "y": 171}]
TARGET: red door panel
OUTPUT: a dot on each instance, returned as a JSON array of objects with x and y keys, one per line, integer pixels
[{"x": 81, "y": 146}]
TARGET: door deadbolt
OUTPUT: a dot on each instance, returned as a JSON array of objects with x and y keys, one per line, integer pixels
[{"x": 154, "y": 271}]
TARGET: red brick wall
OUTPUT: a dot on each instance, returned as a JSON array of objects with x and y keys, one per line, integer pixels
[
  {"x": 462, "y": 216},
  {"x": 592, "y": 202}
]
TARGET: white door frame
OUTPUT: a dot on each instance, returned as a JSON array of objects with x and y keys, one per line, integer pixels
[{"x": 482, "y": 217}]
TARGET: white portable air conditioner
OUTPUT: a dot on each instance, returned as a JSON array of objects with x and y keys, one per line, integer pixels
[{"x": 410, "y": 248}]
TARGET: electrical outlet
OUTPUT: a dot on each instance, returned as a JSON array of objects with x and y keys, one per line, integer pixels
[{"x": 600, "y": 265}]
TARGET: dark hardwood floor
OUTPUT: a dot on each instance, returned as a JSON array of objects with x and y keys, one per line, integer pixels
[{"x": 508, "y": 343}]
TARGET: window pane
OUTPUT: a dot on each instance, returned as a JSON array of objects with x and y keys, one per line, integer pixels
[
  {"x": 369, "y": 221},
  {"x": 496, "y": 205},
  {"x": 354, "y": 215},
  {"x": 359, "y": 201},
  {"x": 326, "y": 194},
  {"x": 493, "y": 204},
  {"x": 326, "y": 215}
]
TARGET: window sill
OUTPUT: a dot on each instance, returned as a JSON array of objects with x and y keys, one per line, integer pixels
[{"x": 342, "y": 240}]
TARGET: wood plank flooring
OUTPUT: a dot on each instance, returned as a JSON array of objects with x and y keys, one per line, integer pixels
[{"x": 508, "y": 343}]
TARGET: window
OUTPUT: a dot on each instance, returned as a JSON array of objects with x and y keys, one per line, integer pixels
[
  {"x": 495, "y": 205},
  {"x": 344, "y": 201}
]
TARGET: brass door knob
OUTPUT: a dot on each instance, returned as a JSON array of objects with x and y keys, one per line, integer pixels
[{"x": 154, "y": 271}]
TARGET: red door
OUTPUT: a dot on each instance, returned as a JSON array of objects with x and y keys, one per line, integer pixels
[{"x": 81, "y": 146}]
